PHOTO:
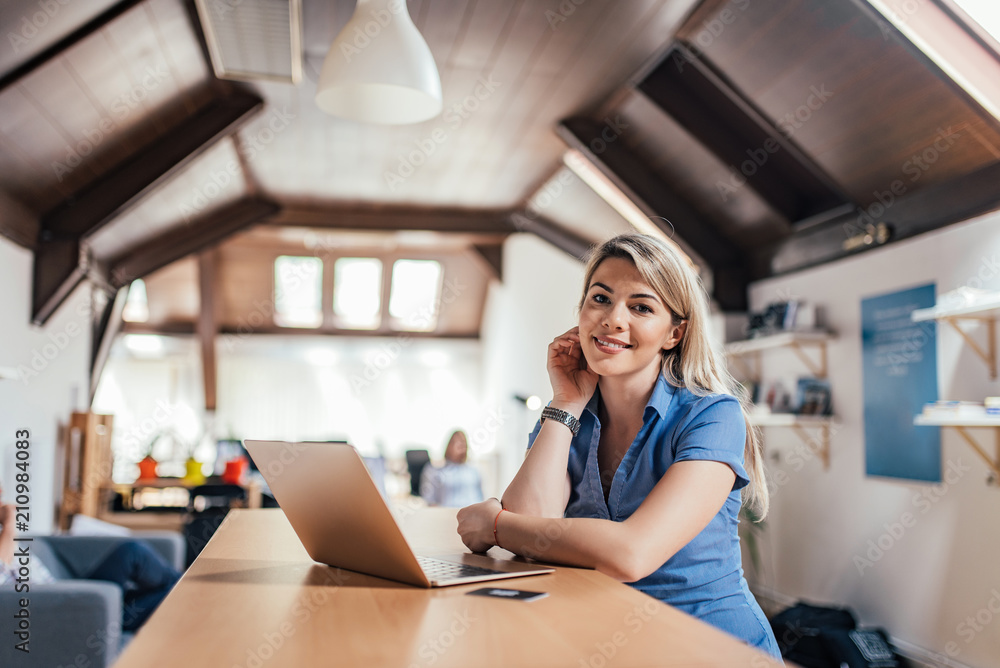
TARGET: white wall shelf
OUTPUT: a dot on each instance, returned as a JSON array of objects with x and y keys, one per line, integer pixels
[
  {"x": 961, "y": 424},
  {"x": 800, "y": 424},
  {"x": 798, "y": 342},
  {"x": 987, "y": 313}
]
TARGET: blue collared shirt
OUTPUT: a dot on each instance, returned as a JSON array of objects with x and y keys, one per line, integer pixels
[{"x": 705, "y": 577}]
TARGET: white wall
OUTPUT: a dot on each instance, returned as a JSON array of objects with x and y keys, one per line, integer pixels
[
  {"x": 535, "y": 303},
  {"x": 946, "y": 567},
  {"x": 381, "y": 394},
  {"x": 55, "y": 361}
]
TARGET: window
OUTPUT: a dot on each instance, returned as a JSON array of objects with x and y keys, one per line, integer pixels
[
  {"x": 298, "y": 291},
  {"x": 414, "y": 301},
  {"x": 136, "y": 306},
  {"x": 357, "y": 293}
]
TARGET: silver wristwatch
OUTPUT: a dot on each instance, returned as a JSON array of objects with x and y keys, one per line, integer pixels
[{"x": 561, "y": 416}]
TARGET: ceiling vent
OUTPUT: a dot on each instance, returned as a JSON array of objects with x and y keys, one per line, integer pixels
[{"x": 254, "y": 40}]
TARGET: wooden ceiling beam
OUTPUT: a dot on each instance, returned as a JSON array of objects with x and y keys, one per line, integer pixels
[
  {"x": 572, "y": 244},
  {"x": 382, "y": 218},
  {"x": 61, "y": 260},
  {"x": 107, "y": 323},
  {"x": 203, "y": 232},
  {"x": 208, "y": 325},
  {"x": 96, "y": 23},
  {"x": 122, "y": 187},
  {"x": 729, "y": 264}
]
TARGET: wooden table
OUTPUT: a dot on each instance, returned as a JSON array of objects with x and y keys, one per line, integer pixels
[{"x": 255, "y": 599}]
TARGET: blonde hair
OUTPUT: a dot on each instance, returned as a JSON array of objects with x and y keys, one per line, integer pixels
[{"x": 693, "y": 364}]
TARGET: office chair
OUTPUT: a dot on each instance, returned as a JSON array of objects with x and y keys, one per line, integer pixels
[{"x": 416, "y": 460}]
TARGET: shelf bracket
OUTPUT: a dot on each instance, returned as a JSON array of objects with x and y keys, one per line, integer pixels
[
  {"x": 817, "y": 368},
  {"x": 824, "y": 442},
  {"x": 990, "y": 354},
  {"x": 994, "y": 464}
]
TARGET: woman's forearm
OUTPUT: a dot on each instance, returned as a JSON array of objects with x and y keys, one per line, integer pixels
[
  {"x": 541, "y": 486},
  {"x": 609, "y": 547}
]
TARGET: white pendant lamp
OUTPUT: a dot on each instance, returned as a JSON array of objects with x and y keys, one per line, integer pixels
[{"x": 380, "y": 69}]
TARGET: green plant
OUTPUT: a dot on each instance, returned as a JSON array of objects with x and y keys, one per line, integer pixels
[{"x": 752, "y": 529}]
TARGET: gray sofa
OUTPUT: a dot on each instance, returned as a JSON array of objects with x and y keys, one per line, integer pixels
[{"x": 75, "y": 622}]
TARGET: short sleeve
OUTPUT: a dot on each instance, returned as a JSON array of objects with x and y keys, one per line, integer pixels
[
  {"x": 715, "y": 430},
  {"x": 534, "y": 434}
]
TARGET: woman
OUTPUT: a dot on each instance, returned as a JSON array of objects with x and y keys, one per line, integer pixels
[
  {"x": 142, "y": 574},
  {"x": 455, "y": 484},
  {"x": 637, "y": 466}
]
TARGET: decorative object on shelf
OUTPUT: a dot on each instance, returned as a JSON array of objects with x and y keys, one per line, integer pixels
[
  {"x": 236, "y": 471},
  {"x": 379, "y": 69},
  {"x": 813, "y": 397},
  {"x": 789, "y": 316},
  {"x": 773, "y": 404},
  {"x": 147, "y": 468},
  {"x": 193, "y": 474}
]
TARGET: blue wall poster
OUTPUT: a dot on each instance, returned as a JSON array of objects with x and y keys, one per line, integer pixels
[{"x": 899, "y": 360}]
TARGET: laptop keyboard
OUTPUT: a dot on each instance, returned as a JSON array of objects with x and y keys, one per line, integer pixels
[{"x": 439, "y": 570}]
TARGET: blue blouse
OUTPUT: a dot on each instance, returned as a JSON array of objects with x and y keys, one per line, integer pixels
[{"x": 705, "y": 577}]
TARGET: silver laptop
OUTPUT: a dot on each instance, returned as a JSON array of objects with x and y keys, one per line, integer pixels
[{"x": 342, "y": 520}]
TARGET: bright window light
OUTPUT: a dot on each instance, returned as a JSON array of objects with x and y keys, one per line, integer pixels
[
  {"x": 136, "y": 306},
  {"x": 298, "y": 291},
  {"x": 984, "y": 12},
  {"x": 144, "y": 345},
  {"x": 357, "y": 292},
  {"x": 416, "y": 285}
]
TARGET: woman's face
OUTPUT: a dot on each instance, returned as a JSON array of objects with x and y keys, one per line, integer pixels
[
  {"x": 457, "y": 449},
  {"x": 623, "y": 323}
]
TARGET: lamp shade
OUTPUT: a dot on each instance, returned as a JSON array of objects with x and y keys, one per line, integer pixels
[{"x": 379, "y": 68}]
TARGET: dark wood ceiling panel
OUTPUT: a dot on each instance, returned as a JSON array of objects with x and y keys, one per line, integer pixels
[
  {"x": 883, "y": 106},
  {"x": 28, "y": 35},
  {"x": 206, "y": 186},
  {"x": 697, "y": 174},
  {"x": 109, "y": 94}
]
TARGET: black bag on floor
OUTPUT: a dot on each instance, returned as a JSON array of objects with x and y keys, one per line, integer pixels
[{"x": 820, "y": 637}]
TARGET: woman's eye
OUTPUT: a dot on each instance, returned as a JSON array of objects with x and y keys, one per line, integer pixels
[
  {"x": 601, "y": 299},
  {"x": 642, "y": 308}
]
